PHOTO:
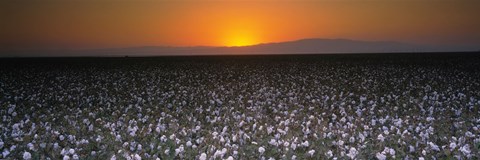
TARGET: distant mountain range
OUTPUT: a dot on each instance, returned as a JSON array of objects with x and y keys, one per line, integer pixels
[{"x": 303, "y": 46}]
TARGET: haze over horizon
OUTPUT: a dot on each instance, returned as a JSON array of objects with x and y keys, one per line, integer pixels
[{"x": 57, "y": 24}]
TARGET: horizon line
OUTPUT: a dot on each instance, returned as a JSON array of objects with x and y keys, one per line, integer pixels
[
  {"x": 253, "y": 54},
  {"x": 207, "y": 46}
]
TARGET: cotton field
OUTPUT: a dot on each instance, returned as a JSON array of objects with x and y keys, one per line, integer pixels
[{"x": 241, "y": 107}]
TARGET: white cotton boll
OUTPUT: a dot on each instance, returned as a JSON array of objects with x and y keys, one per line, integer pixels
[
  {"x": 90, "y": 127},
  {"x": 199, "y": 140},
  {"x": 167, "y": 151},
  {"x": 137, "y": 157},
  {"x": 352, "y": 153},
  {"x": 225, "y": 129},
  {"x": 381, "y": 138},
  {"x": 392, "y": 152},
  {"x": 132, "y": 148},
  {"x": 411, "y": 148},
  {"x": 43, "y": 145},
  {"x": 421, "y": 158},
  {"x": 453, "y": 145},
  {"x": 381, "y": 156},
  {"x": 261, "y": 150},
  {"x": 293, "y": 146},
  {"x": 13, "y": 147},
  {"x": 5, "y": 153},
  {"x": 66, "y": 157},
  {"x": 465, "y": 150},
  {"x": 269, "y": 130},
  {"x": 214, "y": 134},
  {"x": 352, "y": 140},
  {"x": 118, "y": 138},
  {"x": 334, "y": 117},
  {"x": 189, "y": 144},
  {"x": 179, "y": 150},
  {"x": 273, "y": 142},
  {"x": 163, "y": 138},
  {"x": 433, "y": 146},
  {"x": 286, "y": 144},
  {"x": 281, "y": 131},
  {"x": 329, "y": 154},
  {"x": 305, "y": 144},
  {"x": 75, "y": 157},
  {"x": 224, "y": 151},
  {"x": 386, "y": 132},
  {"x": 203, "y": 156},
  {"x": 277, "y": 136},
  {"x": 71, "y": 138},
  {"x": 234, "y": 138},
  {"x": 10, "y": 110},
  {"x": 469, "y": 134},
  {"x": 217, "y": 153},
  {"x": 294, "y": 157},
  {"x": 361, "y": 136},
  {"x": 311, "y": 152},
  {"x": 344, "y": 135},
  {"x": 63, "y": 151},
  {"x": 429, "y": 119},
  {"x": 27, "y": 155},
  {"x": 340, "y": 142},
  {"x": 1, "y": 144},
  {"x": 230, "y": 158},
  {"x": 30, "y": 146},
  {"x": 177, "y": 141},
  {"x": 71, "y": 151},
  {"x": 61, "y": 137}
]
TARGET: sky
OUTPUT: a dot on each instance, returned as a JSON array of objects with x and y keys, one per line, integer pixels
[{"x": 78, "y": 24}]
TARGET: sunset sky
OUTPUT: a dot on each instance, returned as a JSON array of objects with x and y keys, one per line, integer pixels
[{"x": 127, "y": 23}]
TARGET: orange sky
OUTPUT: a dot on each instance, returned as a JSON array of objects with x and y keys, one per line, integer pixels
[{"x": 126, "y": 23}]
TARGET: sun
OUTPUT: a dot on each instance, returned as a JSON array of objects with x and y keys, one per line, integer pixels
[
  {"x": 237, "y": 41},
  {"x": 240, "y": 35},
  {"x": 240, "y": 30}
]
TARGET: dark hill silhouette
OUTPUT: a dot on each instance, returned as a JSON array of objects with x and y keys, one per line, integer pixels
[{"x": 303, "y": 46}]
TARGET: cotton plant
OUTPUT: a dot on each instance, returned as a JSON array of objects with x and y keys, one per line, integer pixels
[{"x": 320, "y": 110}]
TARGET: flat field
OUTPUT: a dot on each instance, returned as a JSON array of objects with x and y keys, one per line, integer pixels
[{"x": 348, "y": 106}]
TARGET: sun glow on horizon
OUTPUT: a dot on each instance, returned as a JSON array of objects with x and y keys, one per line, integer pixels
[
  {"x": 241, "y": 31},
  {"x": 239, "y": 39}
]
